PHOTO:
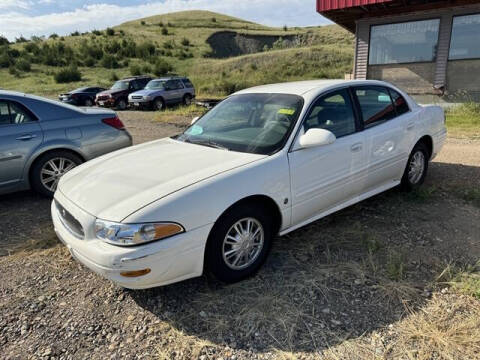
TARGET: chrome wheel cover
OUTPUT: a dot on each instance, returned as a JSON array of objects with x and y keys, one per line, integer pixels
[
  {"x": 243, "y": 243},
  {"x": 53, "y": 170},
  {"x": 159, "y": 104},
  {"x": 416, "y": 167},
  {"x": 188, "y": 100}
]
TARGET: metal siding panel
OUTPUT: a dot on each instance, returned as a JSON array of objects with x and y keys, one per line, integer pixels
[
  {"x": 326, "y": 5},
  {"x": 361, "y": 56},
  {"x": 443, "y": 49}
]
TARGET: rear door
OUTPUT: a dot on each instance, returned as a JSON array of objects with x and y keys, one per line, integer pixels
[
  {"x": 384, "y": 127},
  {"x": 20, "y": 135}
]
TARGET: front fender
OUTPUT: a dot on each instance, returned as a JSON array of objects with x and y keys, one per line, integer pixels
[{"x": 202, "y": 203}]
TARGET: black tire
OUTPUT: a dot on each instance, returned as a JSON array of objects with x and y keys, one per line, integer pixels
[
  {"x": 214, "y": 258},
  {"x": 88, "y": 102},
  {"x": 121, "y": 104},
  {"x": 158, "y": 104},
  {"x": 36, "y": 170},
  {"x": 409, "y": 183},
  {"x": 187, "y": 99}
]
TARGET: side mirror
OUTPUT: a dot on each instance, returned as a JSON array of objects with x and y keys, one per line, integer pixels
[
  {"x": 316, "y": 137},
  {"x": 194, "y": 120}
]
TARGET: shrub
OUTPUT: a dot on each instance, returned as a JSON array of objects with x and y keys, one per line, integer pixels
[
  {"x": 4, "y": 41},
  {"x": 146, "y": 69},
  {"x": 145, "y": 50},
  {"x": 67, "y": 75},
  {"x": 214, "y": 19},
  {"x": 142, "y": 22},
  {"x": 75, "y": 33},
  {"x": 32, "y": 48},
  {"x": 109, "y": 61},
  {"x": 110, "y": 32},
  {"x": 53, "y": 36},
  {"x": 122, "y": 33},
  {"x": 135, "y": 69},
  {"x": 23, "y": 65},
  {"x": 114, "y": 76},
  {"x": 162, "y": 67},
  {"x": 89, "y": 61},
  {"x": 13, "y": 71},
  {"x": 169, "y": 44},
  {"x": 21, "y": 39},
  {"x": 164, "y": 31},
  {"x": 96, "y": 32},
  {"x": 5, "y": 60},
  {"x": 185, "y": 42},
  {"x": 285, "y": 28},
  {"x": 160, "y": 24}
]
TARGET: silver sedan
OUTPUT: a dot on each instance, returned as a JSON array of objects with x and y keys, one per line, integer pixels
[{"x": 41, "y": 139}]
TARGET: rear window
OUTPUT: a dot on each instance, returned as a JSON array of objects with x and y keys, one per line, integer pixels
[{"x": 400, "y": 103}]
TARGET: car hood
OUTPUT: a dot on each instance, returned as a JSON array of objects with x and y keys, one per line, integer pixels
[
  {"x": 116, "y": 185},
  {"x": 145, "y": 92},
  {"x": 111, "y": 92}
]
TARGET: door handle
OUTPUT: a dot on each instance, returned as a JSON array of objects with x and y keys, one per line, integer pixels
[
  {"x": 26, "y": 137},
  {"x": 356, "y": 147},
  {"x": 410, "y": 126}
]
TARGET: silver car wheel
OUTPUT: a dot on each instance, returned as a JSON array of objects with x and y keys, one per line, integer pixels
[
  {"x": 416, "y": 167},
  {"x": 53, "y": 170},
  {"x": 159, "y": 104},
  {"x": 243, "y": 243},
  {"x": 188, "y": 100}
]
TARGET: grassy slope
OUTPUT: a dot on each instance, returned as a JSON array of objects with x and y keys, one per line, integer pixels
[{"x": 329, "y": 54}]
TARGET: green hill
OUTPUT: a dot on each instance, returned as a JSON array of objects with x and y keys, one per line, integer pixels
[{"x": 220, "y": 53}]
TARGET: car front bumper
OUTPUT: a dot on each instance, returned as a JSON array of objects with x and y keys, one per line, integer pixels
[
  {"x": 170, "y": 260},
  {"x": 110, "y": 102},
  {"x": 140, "y": 104}
]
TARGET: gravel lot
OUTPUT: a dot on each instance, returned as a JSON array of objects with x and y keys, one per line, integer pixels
[{"x": 348, "y": 276}]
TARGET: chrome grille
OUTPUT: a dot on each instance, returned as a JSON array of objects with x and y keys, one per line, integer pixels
[
  {"x": 69, "y": 221},
  {"x": 137, "y": 97},
  {"x": 102, "y": 97}
]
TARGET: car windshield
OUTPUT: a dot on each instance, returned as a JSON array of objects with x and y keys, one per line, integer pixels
[
  {"x": 155, "y": 85},
  {"x": 252, "y": 123},
  {"x": 82, "y": 89},
  {"x": 120, "y": 85}
]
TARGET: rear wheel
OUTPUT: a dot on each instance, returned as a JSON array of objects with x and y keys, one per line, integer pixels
[
  {"x": 239, "y": 243},
  {"x": 49, "y": 168},
  {"x": 417, "y": 166},
  {"x": 187, "y": 99},
  {"x": 121, "y": 104}
]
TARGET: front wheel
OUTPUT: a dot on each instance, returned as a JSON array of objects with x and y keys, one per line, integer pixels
[
  {"x": 121, "y": 104},
  {"x": 417, "y": 166},
  {"x": 159, "y": 104},
  {"x": 88, "y": 102},
  {"x": 49, "y": 168},
  {"x": 239, "y": 243}
]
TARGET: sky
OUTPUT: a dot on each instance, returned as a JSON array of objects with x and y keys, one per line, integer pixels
[{"x": 44, "y": 17}]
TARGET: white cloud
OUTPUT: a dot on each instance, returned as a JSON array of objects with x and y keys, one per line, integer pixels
[
  {"x": 14, "y": 4},
  {"x": 268, "y": 12}
]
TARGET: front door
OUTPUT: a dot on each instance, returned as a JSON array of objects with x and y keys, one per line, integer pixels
[
  {"x": 20, "y": 135},
  {"x": 326, "y": 176}
]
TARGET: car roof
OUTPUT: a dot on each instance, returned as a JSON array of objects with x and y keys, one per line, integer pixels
[
  {"x": 172, "y": 78},
  {"x": 303, "y": 87}
]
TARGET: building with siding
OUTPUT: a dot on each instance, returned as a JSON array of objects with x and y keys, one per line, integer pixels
[{"x": 430, "y": 48}]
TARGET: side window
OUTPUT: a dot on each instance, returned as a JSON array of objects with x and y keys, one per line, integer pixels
[
  {"x": 332, "y": 112},
  {"x": 400, "y": 103},
  {"x": 375, "y": 104},
  {"x": 136, "y": 85},
  {"x": 4, "y": 113},
  {"x": 20, "y": 114},
  {"x": 188, "y": 84},
  {"x": 170, "y": 85},
  {"x": 178, "y": 84}
]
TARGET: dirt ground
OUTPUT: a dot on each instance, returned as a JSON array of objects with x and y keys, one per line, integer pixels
[{"x": 346, "y": 286}]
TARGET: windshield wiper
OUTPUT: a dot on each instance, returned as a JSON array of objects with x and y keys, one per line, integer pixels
[{"x": 208, "y": 143}]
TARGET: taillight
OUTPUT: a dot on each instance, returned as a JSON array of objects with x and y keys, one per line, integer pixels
[{"x": 114, "y": 122}]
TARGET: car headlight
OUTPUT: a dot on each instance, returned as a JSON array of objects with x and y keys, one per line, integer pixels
[{"x": 134, "y": 234}]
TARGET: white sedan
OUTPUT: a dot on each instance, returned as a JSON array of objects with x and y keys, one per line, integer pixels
[{"x": 262, "y": 163}]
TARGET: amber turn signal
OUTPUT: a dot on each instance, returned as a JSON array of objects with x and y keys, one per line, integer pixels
[{"x": 135, "y": 273}]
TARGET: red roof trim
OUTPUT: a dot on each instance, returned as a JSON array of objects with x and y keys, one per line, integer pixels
[{"x": 326, "y": 5}]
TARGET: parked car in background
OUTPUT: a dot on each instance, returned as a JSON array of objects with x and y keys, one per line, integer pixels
[
  {"x": 264, "y": 161},
  {"x": 162, "y": 92},
  {"x": 84, "y": 96},
  {"x": 41, "y": 140},
  {"x": 117, "y": 95}
]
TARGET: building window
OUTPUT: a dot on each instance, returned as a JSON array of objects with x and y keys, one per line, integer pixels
[
  {"x": 465, "y": 42},
  {"x": 407, "y": 42}
]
